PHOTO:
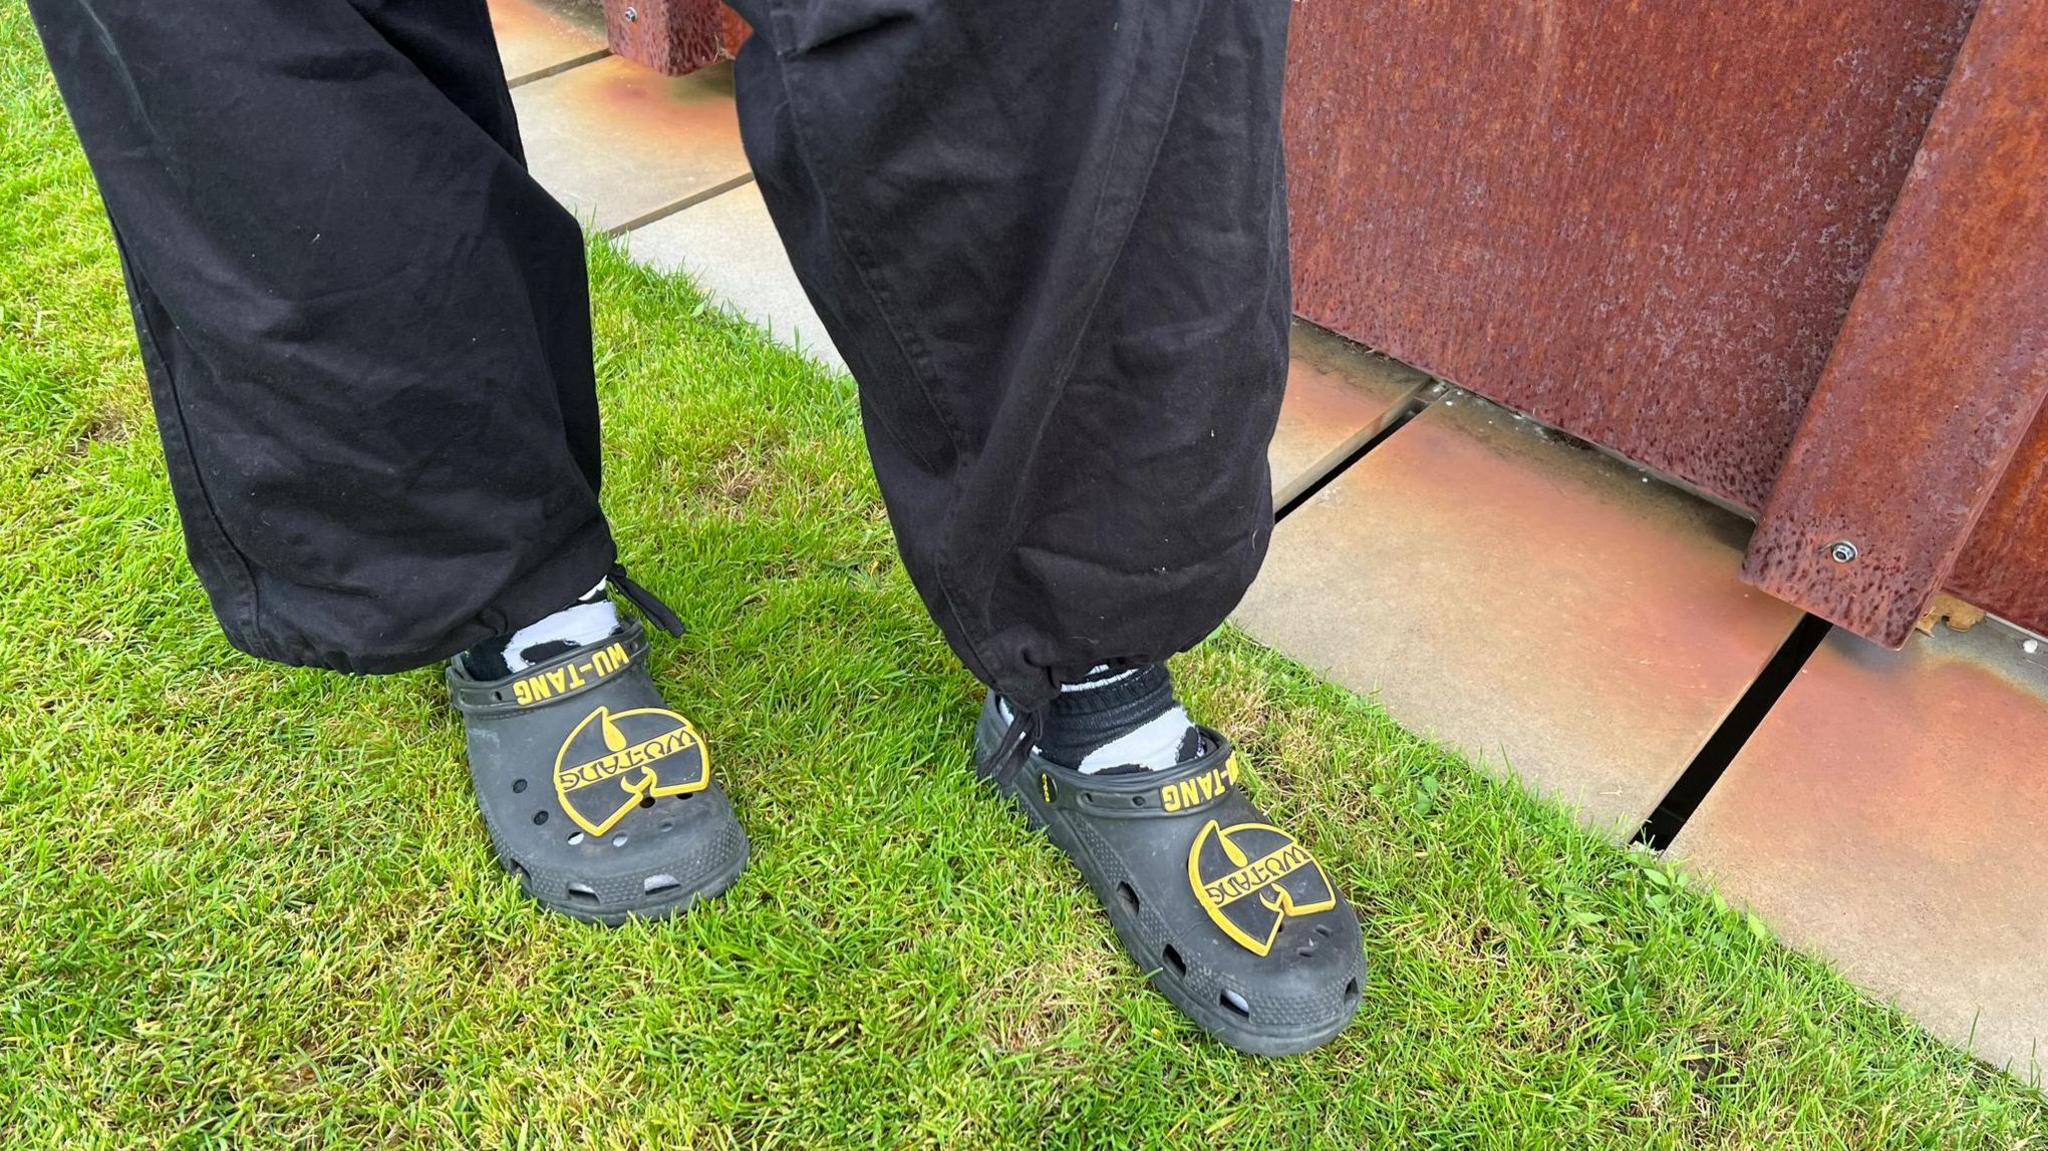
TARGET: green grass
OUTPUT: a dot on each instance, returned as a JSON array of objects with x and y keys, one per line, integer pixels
[{"x": 241, "y": 905}]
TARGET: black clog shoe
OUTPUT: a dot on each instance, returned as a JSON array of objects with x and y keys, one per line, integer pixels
[
  {"x": 1234, "y": 920},
  {"x": 597, "y": 796}
]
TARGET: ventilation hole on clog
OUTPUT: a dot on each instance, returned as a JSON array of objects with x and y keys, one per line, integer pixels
[
  {"x": 575, "y": 837},
  {"x": 499, "y": 696},
  {"x": 1351, "y": 990},
  {"x": 1323, "y": 929},
  {"x": 582, "y": 893},
  {"x": 647, "y": 801},
  {"x": 618, "y": 841},
  {"x": 1137, "y": 801},
  {"x": 1234, "y": 1003},
  {"x": 1307, "y": 952},
  {"x": 1130, "y": 898},
  {"x": 1174, "y": 962},
  {"x": 668, "y": 825},
  {"x": 656, "y": 884},
  {"x": 539, "y": 817},
  {"x": 518, "y": 785}
]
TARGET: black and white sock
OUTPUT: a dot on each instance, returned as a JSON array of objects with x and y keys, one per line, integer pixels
[
  {"x": 591, "y": 618},
  {"x": 1117, "y": 722}
]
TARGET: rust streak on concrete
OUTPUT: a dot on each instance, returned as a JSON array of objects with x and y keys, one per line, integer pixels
[
  {"x": 1533, "y": 601},
  {"x": 1890, "y": 814},
  {"x": 537, "y": 38},
  {"x": 1337, "y": 392},
  {"x": 617, "y": 143}
]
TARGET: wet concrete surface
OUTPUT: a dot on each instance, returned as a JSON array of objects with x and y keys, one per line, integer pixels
[
  {"x": 1549, "y": 610},
  {"x": 729, "y": 246},
  {"x": 1337, "y": 393},
  {"x": 538, "y": 38},
  {"x": 1891, "y": 816},
  {"x": 619, "y": 145}
]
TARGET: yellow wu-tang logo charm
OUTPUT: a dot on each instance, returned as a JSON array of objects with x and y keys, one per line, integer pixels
[
  {"x": 1250, "y": 877},
  {"x": 614, "y": 760}
]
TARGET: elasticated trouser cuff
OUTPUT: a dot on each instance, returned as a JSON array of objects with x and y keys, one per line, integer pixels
[{"x": 557, "y": 580}]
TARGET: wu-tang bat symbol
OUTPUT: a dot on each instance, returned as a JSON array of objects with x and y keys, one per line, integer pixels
[
  {"x": 1250, "y": 877},
  {"x": 616, "y": 759}
]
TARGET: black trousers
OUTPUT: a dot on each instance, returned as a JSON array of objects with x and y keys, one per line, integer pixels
[{"x": 1050, "y": 240}]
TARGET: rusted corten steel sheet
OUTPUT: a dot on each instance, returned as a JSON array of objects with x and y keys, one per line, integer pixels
[
  {"x": 673, "y": 36},
  {"x": 1942, "y": 366},
  {"x": 2004, "y": 567},
  {"x": 1641, "y": 223}
]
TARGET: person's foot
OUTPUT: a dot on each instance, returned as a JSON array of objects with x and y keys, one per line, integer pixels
[
  {"x": 1235, "y": 921},
  {"x": 597, "y": 797}
]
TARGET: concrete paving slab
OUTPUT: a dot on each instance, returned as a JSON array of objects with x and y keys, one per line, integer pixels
[
  {"x": 538, "y": 38},
  {"x": 622, "y": 146},
  {"x": 1891, "y": 815},
  {"x": 1542, "y": 606},
  {"x": 1338, "y": 393},
  {"x": 729, "y": 245}
]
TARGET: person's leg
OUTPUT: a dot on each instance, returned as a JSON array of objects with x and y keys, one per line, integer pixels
[
  {"x": 1050, "y": 241},
  {"x": 366, "y": 329},
  {"x": 367, "y": 335}
]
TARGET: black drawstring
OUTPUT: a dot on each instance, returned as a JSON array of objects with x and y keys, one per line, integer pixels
[
  {"x": 1017, "y": 740},
  {"x": 657, "y": 612}
]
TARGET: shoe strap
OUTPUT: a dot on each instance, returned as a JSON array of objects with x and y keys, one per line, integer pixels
[
  {"x": 564, "y": 677},
  {"x": 1197, "y": 785}
]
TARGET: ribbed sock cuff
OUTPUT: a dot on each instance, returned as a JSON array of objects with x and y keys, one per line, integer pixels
[{"x": 1078, "y": 722}]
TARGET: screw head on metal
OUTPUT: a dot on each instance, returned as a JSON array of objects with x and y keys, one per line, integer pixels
[
  {"x": 1843, "y": 551},
  {"x": 632, "y": 14}
]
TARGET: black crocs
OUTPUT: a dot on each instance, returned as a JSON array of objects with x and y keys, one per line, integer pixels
[
  {"x": 596, "y": 795},
  {"x": 1236, "y": 922}
]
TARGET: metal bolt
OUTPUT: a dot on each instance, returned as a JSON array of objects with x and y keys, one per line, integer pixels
[
  {"x": 1843, "y": 551},
  {"x": 632, "y": 14}
]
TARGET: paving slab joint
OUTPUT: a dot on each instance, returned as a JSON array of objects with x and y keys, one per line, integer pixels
[
  {"x": 557, "y": 69},
  {"x": 1720, "y": 749},
  {"x": 1361, "y": 443},
  {"x": 689, "y": 201}
]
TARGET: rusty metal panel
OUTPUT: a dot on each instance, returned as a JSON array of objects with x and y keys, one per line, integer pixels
[
  {"x": 673, "y": 36},
  {"x": 1942, "y": 365},
  {"x": 1642, "y": 223},
  {"x": 732, "y": 32},
  {"x": 2004, "y": 567}
]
